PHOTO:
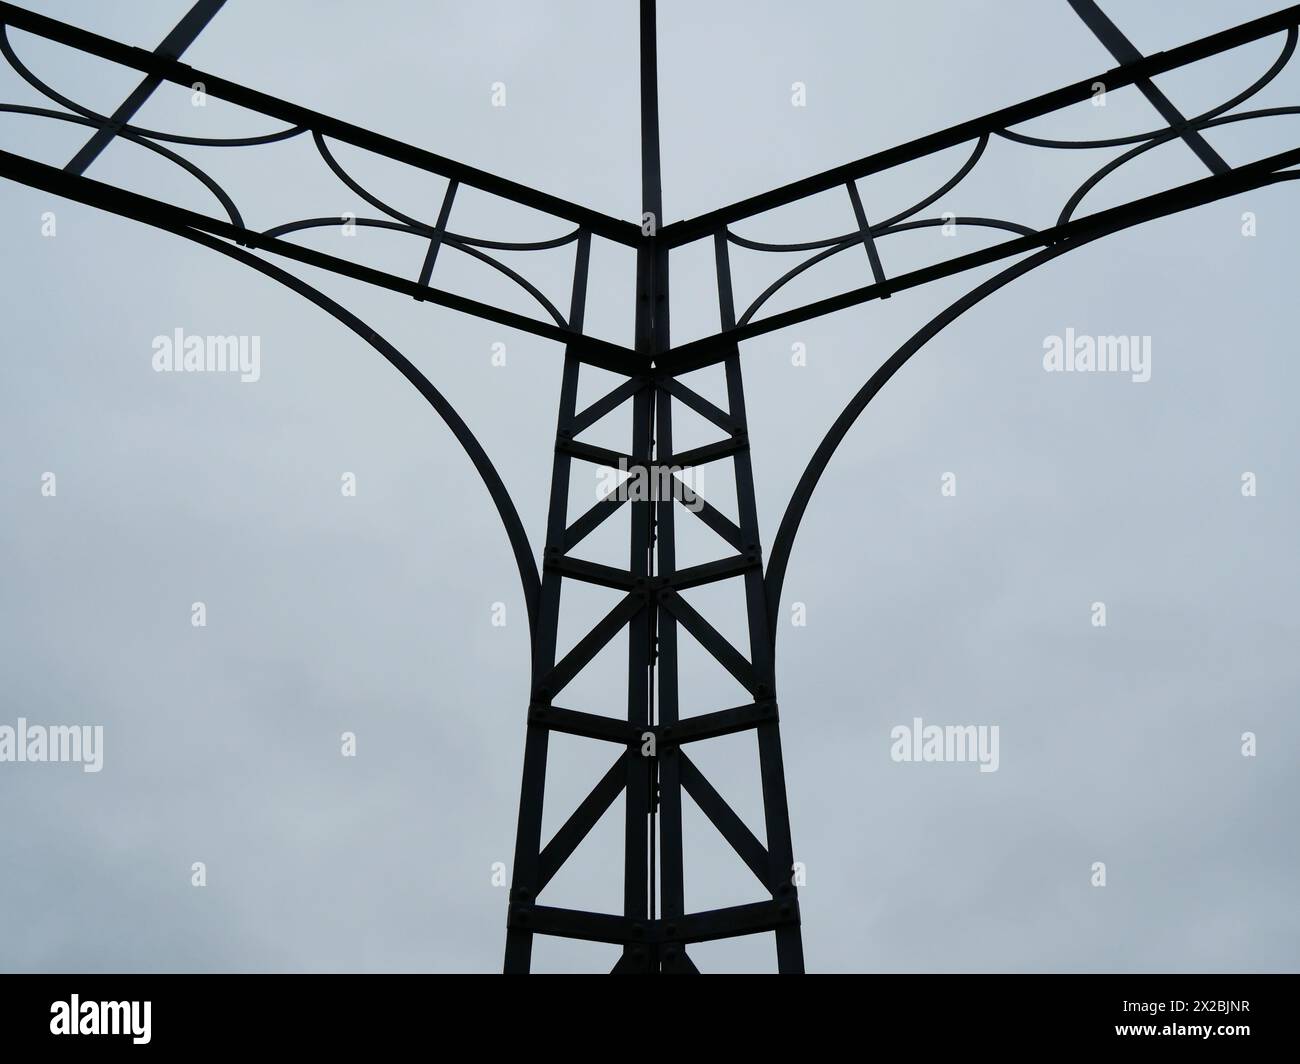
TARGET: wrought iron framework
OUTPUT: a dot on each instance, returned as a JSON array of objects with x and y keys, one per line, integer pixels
[{"x": 650, "y": 768}]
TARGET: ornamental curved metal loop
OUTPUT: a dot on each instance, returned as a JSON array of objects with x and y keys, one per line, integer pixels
[
  {"x": 448, "y": 239},
  {"x": 1067, "y": 212},
  {"x": 414, "y": 225},
  {"x": 518, "y": 278},
  {"x": 127, "y": 129},
  {"x": 518, "y": 245},
  {"x": 879, "y": 227},
  {"x": 379, "y": 223},
  {"x": 834, "y": 245},
  {"x": 960, "y": 219},
  {"x": 942, "y": 190},
  {"x": 44, "y": 112},
  {"x": 1288, "y": 48},
  {"x": 854, "y": 239},
  {"x": 807, "y": 245},
  {"x": 332, "y": 222},
  {"x": 369, "y": 197},
  {"x": 790, "y": 275}
]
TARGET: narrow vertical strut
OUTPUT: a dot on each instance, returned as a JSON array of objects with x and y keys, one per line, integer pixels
[
  {"x": 651, "y": 178},
  {"x": 643, "y": 776},
  {"x": 525, "y": 882},
  {"x": 789, "y": 941}
]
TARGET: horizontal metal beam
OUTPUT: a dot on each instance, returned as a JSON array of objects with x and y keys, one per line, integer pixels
[
  {"x": 587, "y": 725},
  {"x": 707, "y": 926},
  {"x": 685, "y": 730},
  {"x": 589, "y": 452},
  {"x": 591, "y": 572},
  {"x": 573, "y": 923},
  {"x": 732, "y": 921},
  {"x": 709, "y": 452},
  {"x": 721, "y": 722},
  {"x": 711, "y": 572}
]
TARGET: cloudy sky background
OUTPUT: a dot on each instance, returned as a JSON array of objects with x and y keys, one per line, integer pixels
[{"x": 373, "y": 614}]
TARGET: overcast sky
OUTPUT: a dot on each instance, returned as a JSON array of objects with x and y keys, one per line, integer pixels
[{"x": 373, "y": 614}]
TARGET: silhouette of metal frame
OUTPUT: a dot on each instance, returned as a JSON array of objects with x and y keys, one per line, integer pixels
[{"x": 651, "y": 768}]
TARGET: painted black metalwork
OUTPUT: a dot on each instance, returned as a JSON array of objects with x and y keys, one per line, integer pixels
[{"x": 650, "y": 769}]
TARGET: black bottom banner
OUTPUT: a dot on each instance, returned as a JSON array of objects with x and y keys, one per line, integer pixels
[{"x": 1224, "y": 1013}]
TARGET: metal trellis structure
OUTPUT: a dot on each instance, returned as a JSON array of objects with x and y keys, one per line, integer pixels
[{"x": 650, "y": 768}]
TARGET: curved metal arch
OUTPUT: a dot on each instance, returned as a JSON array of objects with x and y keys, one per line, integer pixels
[
  {"x": 960, "y": 219},
  {"x": 880, "y": 227},
  {"x": 515, "y": 276},
  {"x": 211, "y": 185},
  {"x": 102, "y": 121},
  {"x": 1091, "y": 182},
  {"x": 518, "y": 245},
  {"x": 1279, "y": 63},
  {"x": 326, "y": 223},
  {"x": 524, "y": 559},
  {"x": 782, "y": 545},
  {"x": 1114, "y": 164},
  {"x": 779, "y": 559},
  {"x": 790, "y": 275},
  {"x": 514, "y": 527},
  {"x": 807, "y": 245},
  {"x": 474, "y": 241},
  {"x": 943, "y": 189},
  {"x": 355, "y": 186},
  {"x": 287, "y": 133},
  {"x": 853, "y": 239},
  {"x": 448, "y": 240}
]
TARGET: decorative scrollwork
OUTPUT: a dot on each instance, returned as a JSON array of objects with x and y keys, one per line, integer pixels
[
  {"x": 474, "y": 247},
  {"x": 1138, "y": 144},
  {"x": 104, "y": 122}
]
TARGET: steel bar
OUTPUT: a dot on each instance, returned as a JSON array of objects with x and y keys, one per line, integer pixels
[
  {"x": 724, "y": 818},
  {"x": 579, "y": 825}
]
